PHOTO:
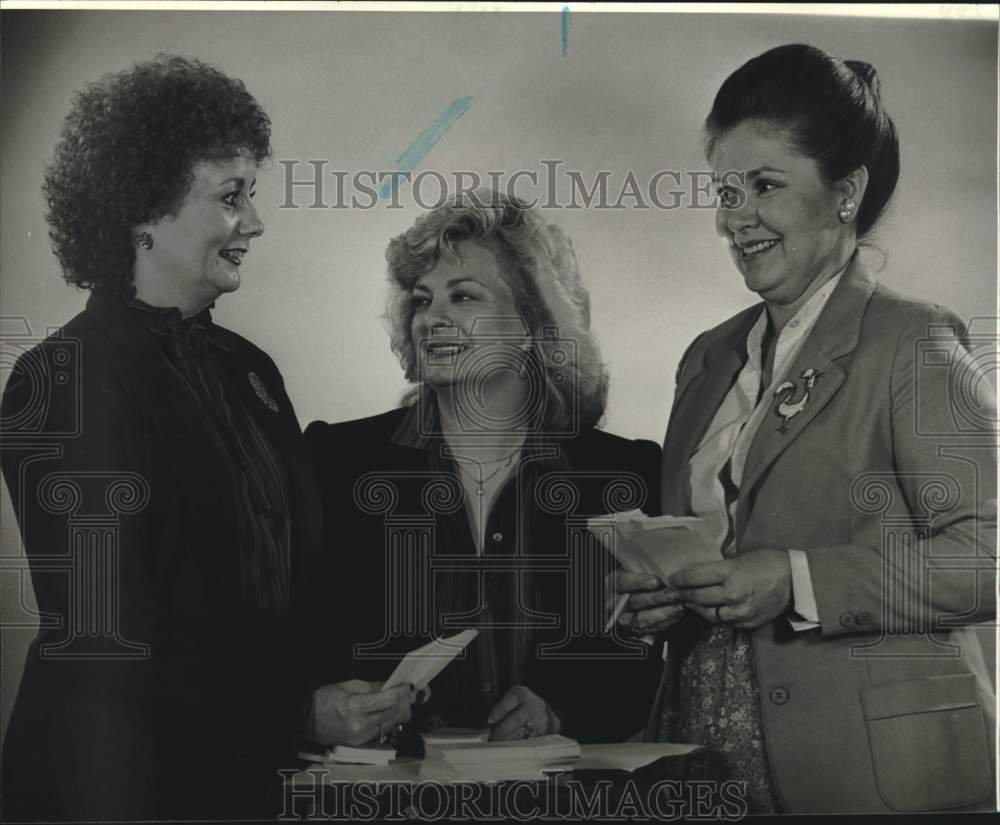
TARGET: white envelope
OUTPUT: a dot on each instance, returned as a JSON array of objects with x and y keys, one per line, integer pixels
[
  {"x": 658, "y": 546},
  {"x": 419, "y": 666}
]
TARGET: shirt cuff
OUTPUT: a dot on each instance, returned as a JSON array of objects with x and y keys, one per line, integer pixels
[{"x": 803, "y": 597}]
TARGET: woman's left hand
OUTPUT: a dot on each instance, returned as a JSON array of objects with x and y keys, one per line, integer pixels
[
  {"x": 746, "y": 591},
  {"x": 521, "y": 714}
]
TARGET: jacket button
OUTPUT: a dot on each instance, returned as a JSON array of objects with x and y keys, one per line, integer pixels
[
  {"x": 864, "y": 617},
  {"x": 487, "y": 687},
  {"x": 779, "y": 695},
  {"x": 498, "y": 536},
  {"x": 846, "y": 619}
]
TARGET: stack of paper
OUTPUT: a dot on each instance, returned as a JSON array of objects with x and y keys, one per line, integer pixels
[
  {"x": 658, "y": 546},
  {"x": 347, "y": 755},
  {"x": 419, "y": 666},
  {"x": 456, "y": 736},
  {"x": 516, "y": 759},
  {"x": 376, "y": 755}
]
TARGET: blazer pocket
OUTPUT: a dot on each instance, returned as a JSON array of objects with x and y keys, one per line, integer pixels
[{"x": 928, "y": 742}]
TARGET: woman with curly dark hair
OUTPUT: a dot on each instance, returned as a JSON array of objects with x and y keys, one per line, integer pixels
[{"x": 162, "y": 493}]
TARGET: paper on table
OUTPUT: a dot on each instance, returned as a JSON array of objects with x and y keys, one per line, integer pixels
[
  {"x": 658, "y": 546},
  {"x": 527, "y": 759},
  {"x": 456, "y": 736},
  {"x": 628, "y": 756},
  {"x": 552, "y": 748},
  {"x": 342, "y": 754},
  {"x": 419, "y": 666},
  {"x": 378, "y": 755},
  {"x": 403, "y": 769},
  {"x": 437, "y": 771}
]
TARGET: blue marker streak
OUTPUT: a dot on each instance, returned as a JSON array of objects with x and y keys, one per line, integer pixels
[
  {"x": 415, "y": 153},
  {"x": 565, "y": 30}
]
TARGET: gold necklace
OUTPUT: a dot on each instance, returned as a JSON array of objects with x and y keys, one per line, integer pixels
[{"x": 481, "y": 481}]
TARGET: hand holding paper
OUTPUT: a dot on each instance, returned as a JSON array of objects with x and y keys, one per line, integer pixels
[
  {"x": 353, "y": 712},
  {"x": 656, "y": 547}
]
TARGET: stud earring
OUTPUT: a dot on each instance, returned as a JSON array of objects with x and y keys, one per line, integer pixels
[
  {"x": 144, "y": 240},
  {"x": 845, "y": 211}
]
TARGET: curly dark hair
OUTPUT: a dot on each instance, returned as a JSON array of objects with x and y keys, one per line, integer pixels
[{"x": 126, "y": 156}]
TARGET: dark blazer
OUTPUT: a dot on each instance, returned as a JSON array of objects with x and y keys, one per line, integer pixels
[
  {"x": 384, "y": 500},
  {"x": 887, "y": 480},
  {"x": 149, "y": 686}
]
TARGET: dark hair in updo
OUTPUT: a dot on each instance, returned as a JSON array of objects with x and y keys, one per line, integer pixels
[
  {"x": 126, "y": 156},
  {"x": 832, "y": 108}
]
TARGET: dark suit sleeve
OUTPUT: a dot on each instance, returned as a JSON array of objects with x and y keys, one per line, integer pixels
[
  {"x": 328, "y": 658},
  {"x": 84, "y": 709},
  {"x": 647, "y": 465}
]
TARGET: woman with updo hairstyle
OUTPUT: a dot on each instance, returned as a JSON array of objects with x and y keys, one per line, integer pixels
[
  {"x": 156, "y": 469},
  {"x": 838, "y": 438},
  {"x": 455, "y": 510}
]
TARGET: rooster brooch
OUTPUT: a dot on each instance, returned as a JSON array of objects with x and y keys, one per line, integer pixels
[{"x": 786, "y": 408}]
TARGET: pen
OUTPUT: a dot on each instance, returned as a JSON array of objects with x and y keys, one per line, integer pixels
[{"x": 622, "y": 601}]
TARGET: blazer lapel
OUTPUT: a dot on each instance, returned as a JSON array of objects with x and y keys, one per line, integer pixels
[
  {"x": 694, "y": 408},
  {"x": 835, "y": 336}
]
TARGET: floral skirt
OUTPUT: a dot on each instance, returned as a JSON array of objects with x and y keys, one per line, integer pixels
[{"x": 716, "y": 704}]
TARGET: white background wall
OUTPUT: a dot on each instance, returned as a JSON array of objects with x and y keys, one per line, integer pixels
[{"x": 631, "y": 93}]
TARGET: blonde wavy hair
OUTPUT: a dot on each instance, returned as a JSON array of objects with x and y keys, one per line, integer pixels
[{"x": 537, "y": 262}]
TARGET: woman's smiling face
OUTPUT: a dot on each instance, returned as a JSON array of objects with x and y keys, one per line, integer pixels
[
  {"x": 782, "y": 229},
  {"x": 199, "y": 249},
  {"x": 465, "y": 319}
]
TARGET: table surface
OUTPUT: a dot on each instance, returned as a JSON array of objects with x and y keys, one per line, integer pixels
[{"x": 627, "y": 756}]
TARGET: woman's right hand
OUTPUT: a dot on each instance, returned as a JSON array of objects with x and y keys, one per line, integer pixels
[
  {"x": 651, "y": 606},
  {"x": 355, "y": 712}
]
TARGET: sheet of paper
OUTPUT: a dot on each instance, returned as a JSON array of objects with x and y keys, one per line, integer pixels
[
  {"x": 628, "y": 756},
  {"x": 540, "y": 749},
  {"x": 659, "y": 546},
  {"x": 346, "y": 755},
  {"x": 437, "y": 771},
  {"x": 419, "y": 666},
  {"x": 456, "y": 736},
  {"x": 404, "y": 769}
]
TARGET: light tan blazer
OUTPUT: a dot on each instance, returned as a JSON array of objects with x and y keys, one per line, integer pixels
[{"x": 887, "y": 480}]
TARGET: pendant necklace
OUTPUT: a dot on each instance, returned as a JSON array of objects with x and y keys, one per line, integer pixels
[{"x": 481, "y": 480}]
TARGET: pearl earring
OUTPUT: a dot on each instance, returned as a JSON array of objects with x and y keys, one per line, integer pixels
[
  {"x": 845, "y": 211},
  {"x": 144, "y": 240}
]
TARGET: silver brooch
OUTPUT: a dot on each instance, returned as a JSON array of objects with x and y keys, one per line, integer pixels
[
  {"x": 786, "y": 408},
  {"x": 262, "y": 393}
]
